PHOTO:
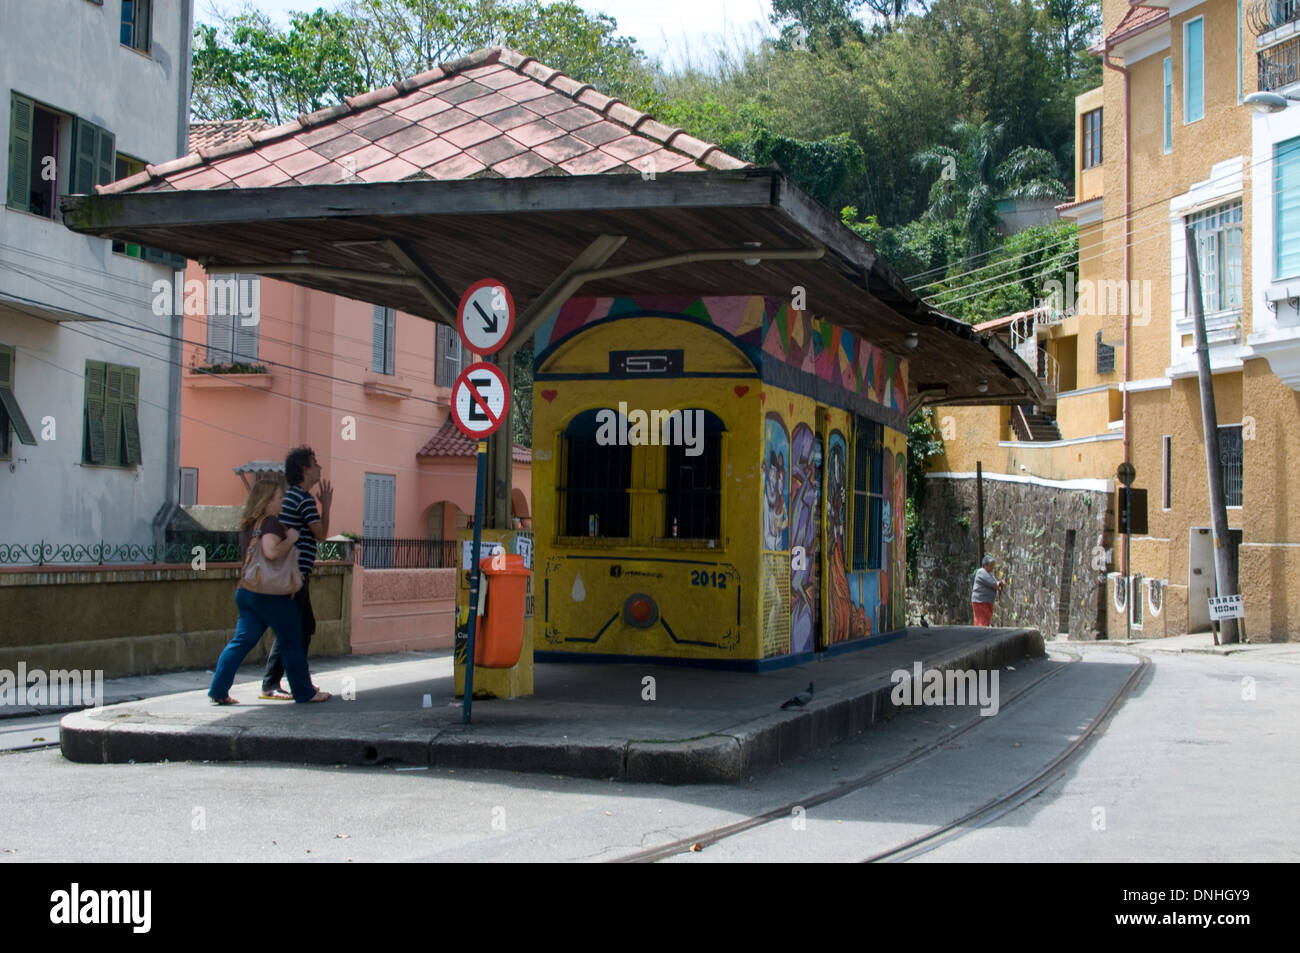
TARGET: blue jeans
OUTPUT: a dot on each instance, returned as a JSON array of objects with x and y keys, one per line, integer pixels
[{"x": 256, "y": 612}]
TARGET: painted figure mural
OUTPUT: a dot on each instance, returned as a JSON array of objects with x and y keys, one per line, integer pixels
[
  {"x": 805, "y": 485},
  {"x": 839, "y": 602},
  {"x": 776, "y": 482}
]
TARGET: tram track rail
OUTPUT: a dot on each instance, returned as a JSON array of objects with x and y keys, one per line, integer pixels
[{"x": 972, "y": 820}]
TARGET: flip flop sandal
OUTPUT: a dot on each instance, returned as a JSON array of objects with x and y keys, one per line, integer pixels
[
  {"x": 320, "y": 697},
  {"x": 223, "y": 701},
  {"x": 279, "y": 695}
]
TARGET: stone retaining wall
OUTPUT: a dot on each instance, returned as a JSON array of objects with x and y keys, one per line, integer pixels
[{"x": 1026, "y": 529}]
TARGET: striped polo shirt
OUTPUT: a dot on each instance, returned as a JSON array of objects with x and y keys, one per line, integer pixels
[{"x": 298, "y": 512}]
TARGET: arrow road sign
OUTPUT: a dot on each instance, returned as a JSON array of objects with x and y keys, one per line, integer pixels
[
  {"x": 480, "y": 400},
  {"x": 486, "y": 316}
]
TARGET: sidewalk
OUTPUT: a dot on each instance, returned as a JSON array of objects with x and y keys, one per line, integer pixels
[
  {"x": 587, "y": 720},
  {"x": 1202, "y": 643}
]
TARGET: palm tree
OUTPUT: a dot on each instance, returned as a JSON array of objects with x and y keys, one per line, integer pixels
[{"x": 970, "y": 184}]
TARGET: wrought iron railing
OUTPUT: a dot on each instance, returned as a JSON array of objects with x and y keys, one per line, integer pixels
[
  {"x": 408, "y": 553},
  {"x": 216, "y": 548},
  {"x": 1279, "y": 65},
  {"x": 1268, "y": 15}
]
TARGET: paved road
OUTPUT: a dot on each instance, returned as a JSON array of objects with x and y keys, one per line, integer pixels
[{"x": 1188, "y": 770}]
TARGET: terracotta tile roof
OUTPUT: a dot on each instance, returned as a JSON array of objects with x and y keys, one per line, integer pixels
[
  {"x": 1070, "y": 206},
  {"x": 207, "y": 135},
  {"x": 493, "y": 113},
  {"x": 450, "y": 442},
  {"x": 1137, "y": 20}
]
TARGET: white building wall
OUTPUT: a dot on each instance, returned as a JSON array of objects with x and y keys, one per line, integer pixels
[
  {"x": 59, "y": 290},
  {"x": 1276, "y": 306}
]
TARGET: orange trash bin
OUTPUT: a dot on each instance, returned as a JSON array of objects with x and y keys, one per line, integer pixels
[{"x": 499, "y": 632}]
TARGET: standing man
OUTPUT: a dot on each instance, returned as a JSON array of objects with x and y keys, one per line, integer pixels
[
  {"x": 986, "y": 588},
  {"x": 299, "y": 512}
]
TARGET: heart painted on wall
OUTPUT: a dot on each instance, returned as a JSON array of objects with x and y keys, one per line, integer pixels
[
  {"x": 762, "y": 397},
  {"x": 741, "y": 390},
  {"x": 549, "y": 395}
]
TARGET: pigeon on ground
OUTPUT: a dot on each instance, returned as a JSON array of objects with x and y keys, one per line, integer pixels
[
  {"x": 803, "y": 698},
  {"x": 924, "y": 624}
]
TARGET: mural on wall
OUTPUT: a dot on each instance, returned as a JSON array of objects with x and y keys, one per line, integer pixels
[
  {"x": 763, "y": 325},
  {"x": 776, "y": 484},
  {"x": 900, "y": 549},
  {"x": 805, "y": 487},
  {"x": 839, "y": 600}
]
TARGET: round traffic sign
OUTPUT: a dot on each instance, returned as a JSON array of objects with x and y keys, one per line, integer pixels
[
  {"x": 480, "y": 400},
  {"x": 1127, "y": 473},
  {"x": 486, "y": 316}
]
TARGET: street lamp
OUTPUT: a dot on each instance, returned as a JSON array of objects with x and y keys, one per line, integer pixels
[{"x": 1266, "y": 103}]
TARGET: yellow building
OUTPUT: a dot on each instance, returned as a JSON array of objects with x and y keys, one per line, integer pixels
[{"x": 1166, "y": 142}]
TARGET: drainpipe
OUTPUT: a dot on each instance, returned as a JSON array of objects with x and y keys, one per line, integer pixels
[
  {"x": 1123, "y": 71},
  {"x": 171, "y": 484}
]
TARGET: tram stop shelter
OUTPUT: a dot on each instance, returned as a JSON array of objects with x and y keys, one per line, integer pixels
[{"x": 652, "y": 272}]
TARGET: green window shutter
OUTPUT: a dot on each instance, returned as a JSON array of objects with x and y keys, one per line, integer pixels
[
  {"x": 93, "y": 156},
  {"x": 93, "y": 450},
  {"x": 113, "y": 416},
  {"x": 131, "y": 415},
  {"x": 22, "y": 112},
  {"x": 6, "y": 367},
  {"x": 12, "y": 415}
]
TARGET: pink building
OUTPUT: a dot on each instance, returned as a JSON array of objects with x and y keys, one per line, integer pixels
[{"x": 366, "y": 387}]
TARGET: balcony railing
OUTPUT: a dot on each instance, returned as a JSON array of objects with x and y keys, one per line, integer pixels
[
  {"x": 1268, "y": 15},
  {"x": 1279, "y": 65},
  {"x": 408, "y": 553}
]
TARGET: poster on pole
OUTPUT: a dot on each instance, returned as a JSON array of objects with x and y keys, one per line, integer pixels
[{"x": 480, "y": 400}]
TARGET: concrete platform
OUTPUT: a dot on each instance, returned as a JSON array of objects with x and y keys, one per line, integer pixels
[{"x": 586, "y": 720}]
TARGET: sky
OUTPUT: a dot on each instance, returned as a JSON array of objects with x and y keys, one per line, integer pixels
[{"x": 668, "y": 29}]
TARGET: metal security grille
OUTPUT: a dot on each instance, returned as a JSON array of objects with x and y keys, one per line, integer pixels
[
  {"x": 1231, "y": 460},
  {"x": 1105, "y": 356},
  {"x": 693, "y": 486},
  {"x": 596, "y": 481}
]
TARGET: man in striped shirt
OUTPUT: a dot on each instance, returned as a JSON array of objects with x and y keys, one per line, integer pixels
[{"x": 299, "y": 511}]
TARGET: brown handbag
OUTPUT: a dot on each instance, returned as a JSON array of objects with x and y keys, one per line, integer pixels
[{"x": 270, "y": 577}]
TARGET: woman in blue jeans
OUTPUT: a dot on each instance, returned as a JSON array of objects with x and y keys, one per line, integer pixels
[{"x": 257, "y": 611}]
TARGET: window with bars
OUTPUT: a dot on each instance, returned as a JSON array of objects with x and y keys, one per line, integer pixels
[
  {"x": 1218, "y": 248},
  {"x": 1105, "y": 356},
  {"x": 1232, "y": 464},
  {"x": 596, "y": 482},
  {"x": 137, "y": 24},
  {"x": 111, "y": 417},
  {"x": 383, "y": 333},
  {"x": 451, "y": 357},
  {"x": 234, "y": 318},
  {"x": 693, "y": 485},
  {"x": 1166, "y": 475},
  {"x": 1091, "y": 139},
  {"x": 868, "y": 494}
]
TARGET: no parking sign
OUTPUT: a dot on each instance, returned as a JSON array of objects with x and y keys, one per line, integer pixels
[{"x": 480, "y": 400}]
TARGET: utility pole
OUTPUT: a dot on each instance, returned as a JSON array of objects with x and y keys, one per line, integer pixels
[{"x": 1225, "y": 566}]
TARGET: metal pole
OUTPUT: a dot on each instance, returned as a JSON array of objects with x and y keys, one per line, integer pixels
[
  {"x": 979, "y": 505},
  {"x": 474, "y": 581},
  {"x": 1128, "y": 566},
  {"x": 1225, "y": 576}
]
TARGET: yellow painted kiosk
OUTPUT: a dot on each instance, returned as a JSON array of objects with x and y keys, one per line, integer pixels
[{"x": 717, "y": 481}]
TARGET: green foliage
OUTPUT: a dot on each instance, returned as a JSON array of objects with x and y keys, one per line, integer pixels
[
  {"x": 924, "y": 442},
  {"x": 827, "y": 169},
  {"x": 249, "y": 69},
  {"x": 1013, "y": 277},
  {"x": 521, "y": 395},
  {"x": 231, "y": 369}
]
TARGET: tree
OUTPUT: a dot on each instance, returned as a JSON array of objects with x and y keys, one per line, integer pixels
[
  {"x": 1071, "y": 27},
  {"x": 969, "y": 183},
  {"x": 813, "y": 24},
  {"x": 249, "y": 69}
]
